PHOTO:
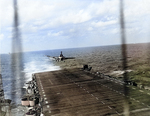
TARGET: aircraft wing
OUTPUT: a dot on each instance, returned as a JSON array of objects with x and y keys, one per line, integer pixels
[
  {"x": 69, "y": 57},
  {"x": 53, "y": 57},
  {"x": 57, "y": 58}
]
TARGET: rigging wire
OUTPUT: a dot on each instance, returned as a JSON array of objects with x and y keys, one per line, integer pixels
[
  {"x": 124, "y": 56},
  {"x": 16, "y": 55}
]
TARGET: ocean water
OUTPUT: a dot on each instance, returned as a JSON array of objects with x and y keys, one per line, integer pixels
[{"x": 32, "y": 62}]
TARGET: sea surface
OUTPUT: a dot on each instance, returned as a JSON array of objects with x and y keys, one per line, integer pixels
[{"x": 32, "y": 62}]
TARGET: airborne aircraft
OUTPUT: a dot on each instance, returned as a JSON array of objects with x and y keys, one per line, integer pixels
[{"x": 60, "y": 57}]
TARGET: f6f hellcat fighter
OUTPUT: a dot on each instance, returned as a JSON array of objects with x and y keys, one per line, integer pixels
[{"x": 61, "y": 57}]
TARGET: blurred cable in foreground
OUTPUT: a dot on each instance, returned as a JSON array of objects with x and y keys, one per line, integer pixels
[
  {"x": 16, "y": 55},
  {"x": 124, "y": 56}
]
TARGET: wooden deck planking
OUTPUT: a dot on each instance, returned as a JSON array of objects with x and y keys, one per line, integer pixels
[{"x": 75, "y": 92}]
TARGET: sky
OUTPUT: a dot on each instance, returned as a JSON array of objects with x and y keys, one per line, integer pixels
[{"x": 57, "y": 24}]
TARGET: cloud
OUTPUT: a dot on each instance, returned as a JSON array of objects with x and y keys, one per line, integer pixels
[
  {"x": 6, "y": 12},
  {"x": 105, "y": 23},
  {"x": 92, "y": 21},
  {"x": 53, "y": 12},
  {"x": 115, "y": 31},
  {"x": 90, "y": 29},
  {"x": 136, "y": 8},
  {"x": 1, "y": 36},
  {"x": 104, "y": 7},
  {"x": 55, "y": 34}
]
